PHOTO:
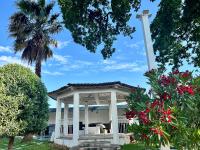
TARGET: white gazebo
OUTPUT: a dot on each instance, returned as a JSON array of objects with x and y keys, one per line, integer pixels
[{"x": 110, "y": 94}]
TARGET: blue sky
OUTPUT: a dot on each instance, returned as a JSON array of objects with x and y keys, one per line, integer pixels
[{"x": 72, "y": 63}]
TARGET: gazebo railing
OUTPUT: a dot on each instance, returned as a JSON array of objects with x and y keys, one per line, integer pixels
[{"x": 122, "y": 124}]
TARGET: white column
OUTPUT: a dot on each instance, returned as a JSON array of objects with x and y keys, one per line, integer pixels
[
  {"x": 86, "y": 119},
  {"x": 76, "y": 119},
  {"x": 110, "y": 117},
  {"x": 149, "y": 46},
  {"x": 147, "y": 39},
  {"x": 65, "y": 123},
  {"x": 166, "y": 147},
  {"x": 114, "y": 116},
  {"x": 58, "y": 119}
]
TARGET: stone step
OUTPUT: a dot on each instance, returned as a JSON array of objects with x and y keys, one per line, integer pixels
[
  {"x": 97, "y": 142},
  {"x": 102, "y": 146},
  {"x": 97, "y": 145},
  {"x": 97, "y": 148}
]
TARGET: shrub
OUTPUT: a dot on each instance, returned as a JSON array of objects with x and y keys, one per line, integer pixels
[
  {"x": 23, "y": 99},
  {"x": 169, "y": 114}
]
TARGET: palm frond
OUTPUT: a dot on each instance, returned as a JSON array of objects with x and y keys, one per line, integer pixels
[
  {"x": 28, "y": 7},
  {"x": 48, "y": 53},
  {"x": 17, "y": 21},
  {"x": 48, "y": 8},
  {"x": 19, "y": 25},
  {"x": 55, "y": 28},
  {"x": 29, "y": 55},
  {"x": 20, "y": 44},
  {"x": 53, "y": 18},
  {"x": 53, "y": 42},
  {"x": 41, "y": 3}
]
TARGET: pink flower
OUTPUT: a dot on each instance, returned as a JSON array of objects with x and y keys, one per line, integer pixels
[
  {"x": 185, "y": 74},
  {"x": 166, "y": 80},
  {"x": 143, "y": 117},
  {"x": 144, "y": 136},
  {"x": 131, "y": 114},
  {"x": 176, "y": 71},
  {"x": 183, "y": 89},
  {"x": 157, "y": 131},
  {"x": 155, "y": 103},
  {"x": 165, "y": 96},
  {"x": 166, "y": 116},
  {"x": 147, "y": 110}
]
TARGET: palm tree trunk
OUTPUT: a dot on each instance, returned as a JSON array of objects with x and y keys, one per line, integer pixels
[
  {"x": 11, "y": 142},
  {"x": 38, "y": 67}
]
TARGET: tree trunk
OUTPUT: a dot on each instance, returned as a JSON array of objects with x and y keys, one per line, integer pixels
[
  {"x": 11, "y": 142},
  {"x": 38, "y": 67},
  {"x": 27, "y": 137}
]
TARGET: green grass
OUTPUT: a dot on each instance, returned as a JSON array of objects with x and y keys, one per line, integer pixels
[
  {"x": 137, "y": 146},
  {"x": 33, "y": 145},
  {"x": 45, "y": 145}
]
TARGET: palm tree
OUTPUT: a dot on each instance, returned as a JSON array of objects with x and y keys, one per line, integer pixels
[{"x": 32, "y": 27}]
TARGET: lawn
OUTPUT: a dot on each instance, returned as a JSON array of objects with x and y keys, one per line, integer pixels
[
  {"x": 33, "y": 145},
  {"x": 45, "y": 145},
  {"x": 135, "y": 147}
]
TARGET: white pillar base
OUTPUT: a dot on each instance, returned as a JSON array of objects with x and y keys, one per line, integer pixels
[
  {"x": 58, "y": 119},
  {"x": 114, "y": 116},
  {"x": 76, "y": 119},
  {"x": 65, "y": 124},
  {"x": 166, "y": 147},
  {"x": 110, "y": 118},
  {"x": 86, "y": 119}
]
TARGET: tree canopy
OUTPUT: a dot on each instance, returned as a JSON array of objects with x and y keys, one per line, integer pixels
[
  {"x": 32, "y": 27},
  {"x": 10, "y": 125},
  {"x": 98, "y": 22},
  {"x": 17, "y": 80},
  {"x": 176, "y": 32}
]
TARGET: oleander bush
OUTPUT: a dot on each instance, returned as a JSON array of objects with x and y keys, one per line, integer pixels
[{"x": 169, "y": 113}]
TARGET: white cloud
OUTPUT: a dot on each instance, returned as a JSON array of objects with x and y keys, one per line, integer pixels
[
  {"x": 61, "y": 59},
  {"x": 131, "y": 67},
  {"x": 62, "y": 44},
  {"x": 14, "y": 59},
  {"x": 108, "y": 62},
  {"x": 85, "y": 63},
  {"x": 70, "y": 64},
  {"x": 142, "y": 52},
  {"x": 52, "y": 73},
  {"x": 74, "y": 65},
  {"x": 120, "y": 57},
  {"x": 10, "y": 60},
  {"x": 5, "y": 49},
  {"x": 135, "y": 45}
]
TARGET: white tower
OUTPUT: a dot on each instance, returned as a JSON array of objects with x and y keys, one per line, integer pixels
[
  {"x": 147, "y": 39},
  {"x": 144, "y": 17}
]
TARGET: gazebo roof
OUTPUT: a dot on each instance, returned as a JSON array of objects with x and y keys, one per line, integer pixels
[{"x": 86, "y": 86}]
